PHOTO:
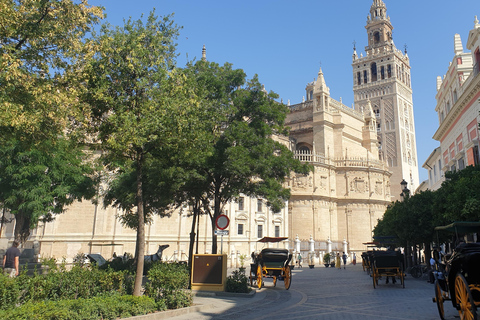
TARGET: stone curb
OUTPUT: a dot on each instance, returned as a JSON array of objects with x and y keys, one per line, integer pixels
[
  {"x": 196, "y": 308},
  {"x": 251, "y": 294},
  {"x": 173, "y": 313}
]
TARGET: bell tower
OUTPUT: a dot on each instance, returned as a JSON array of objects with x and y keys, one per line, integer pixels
[{"x": 381, "y": 79}]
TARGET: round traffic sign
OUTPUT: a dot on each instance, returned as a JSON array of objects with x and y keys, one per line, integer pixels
[{"x": 222, "y": 222}]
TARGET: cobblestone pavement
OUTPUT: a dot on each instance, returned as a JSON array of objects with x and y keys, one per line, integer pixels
[{"x": 329, "y": 294}]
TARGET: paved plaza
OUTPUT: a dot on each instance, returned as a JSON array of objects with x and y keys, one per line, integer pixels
[{"x": 328, "y": 294}]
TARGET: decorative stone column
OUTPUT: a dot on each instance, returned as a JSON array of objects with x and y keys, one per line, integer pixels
[
  {"x": 345, "y": 246},
  {"x": 311, "y": 253},
  {"x": 297, "y": 244},
  {"x": 329, "y": 245}
]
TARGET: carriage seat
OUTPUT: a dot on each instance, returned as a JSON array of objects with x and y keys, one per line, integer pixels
[{"x": 273, "y": 255}]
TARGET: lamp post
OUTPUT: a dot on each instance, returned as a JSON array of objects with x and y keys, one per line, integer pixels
[{"x": 405, "y": 191}]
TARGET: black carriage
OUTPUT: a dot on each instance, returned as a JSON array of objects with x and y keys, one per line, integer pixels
[
  {"x": 272, "y": 263},
  {"x": 386, "y": 264},
  {"x": 458, "y": 279}
]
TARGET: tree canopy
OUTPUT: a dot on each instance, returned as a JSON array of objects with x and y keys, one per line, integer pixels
[
  {"x": 414, "y": 219},
  {"x": 245, "y": 157},
  {"x": 145, "y": 117},
  {"x": 43, "y": 45}
]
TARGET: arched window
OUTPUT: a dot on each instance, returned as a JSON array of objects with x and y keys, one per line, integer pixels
[
  {"x": 359, "y": 78},
  {"x": 365, "y": 78},
  {"x": 373, "y": 71},
  {"x": 376, "y": 37},
  {"x": 382, "y": 72},
  {"x": 389, "y": 70}
]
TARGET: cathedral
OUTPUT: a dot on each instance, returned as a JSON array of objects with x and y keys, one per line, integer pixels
[{"x": 360, "y": 155}]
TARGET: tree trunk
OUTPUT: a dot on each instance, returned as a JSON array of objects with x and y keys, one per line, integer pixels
[
  {"x": 216, "y": 213},
  {"x": 137, "y": 290},
  {"x": 192, "y": 238},
  {"x": 22, "y": 227}
]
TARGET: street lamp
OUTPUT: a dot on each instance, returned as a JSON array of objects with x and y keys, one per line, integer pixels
[{"x": 405, "y": 190}]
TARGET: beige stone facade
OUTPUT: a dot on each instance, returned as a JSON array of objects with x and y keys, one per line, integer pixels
[{"x": 349, "y": 189}]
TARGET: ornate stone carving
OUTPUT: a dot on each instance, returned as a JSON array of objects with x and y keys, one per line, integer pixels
[
  {"x": 302, "y": 182},
  {"x": 358, "y": 185}
]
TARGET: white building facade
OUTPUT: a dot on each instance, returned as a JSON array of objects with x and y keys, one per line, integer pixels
[{"x": 458, "y": 108}]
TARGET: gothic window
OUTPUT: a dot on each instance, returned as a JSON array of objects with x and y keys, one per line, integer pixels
[
  {"x": 376, "y": 37},
  {"x": 373, "y": 71},
  {"x": 389, "y": 70},
  {"x": 359, "y": 78},
  {"x": 365, "y": 78},
  {"x": 382, "y": 72}
]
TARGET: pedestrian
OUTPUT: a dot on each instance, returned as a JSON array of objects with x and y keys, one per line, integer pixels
[
  {"x": 337, "y": 261},
  {"x": 354, "y": 260},
  {"x": 299, "y": 260},
  {"x": 344, "y": 257},
  {"x": 431, "y": 276},
  {"x": 11, "y": 263}
]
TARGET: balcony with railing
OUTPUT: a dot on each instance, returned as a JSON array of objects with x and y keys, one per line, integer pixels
[{"x": 320, "y": 159}]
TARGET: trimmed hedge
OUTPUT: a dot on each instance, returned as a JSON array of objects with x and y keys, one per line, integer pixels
[
  {"x": 86, "y": 292},
  {"x": 58, "y": 284},
  {"x": 169, "y": 282},
  {"x": 109, "y": 307}
]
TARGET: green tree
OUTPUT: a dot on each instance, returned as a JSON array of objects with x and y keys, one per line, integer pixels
[
  {"x": 37, "y": 183},
  {"x": 245, "y": 155},
  {"x": 41, "y": 45},
  {"x": 144, "y": 113},
  {"x": 458, "y": 197}
]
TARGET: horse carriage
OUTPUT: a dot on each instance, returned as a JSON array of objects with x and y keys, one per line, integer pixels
[
  {"x": 386, "y": 264},
  {"x": 458, "y": 279},
  {"x": 271, "y": 263}
]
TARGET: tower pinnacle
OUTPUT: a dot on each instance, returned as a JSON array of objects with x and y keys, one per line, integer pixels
[{"x": 204, "y": 54}]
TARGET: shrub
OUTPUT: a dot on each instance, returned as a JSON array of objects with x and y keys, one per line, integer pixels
[
  {"x": 169, "y": 282},
  {"x": 9, "y": 291},
  {"x": 106, "y": 307},
  {"x": 238, "y": 282},
  {"x": 58, "y": 284}
]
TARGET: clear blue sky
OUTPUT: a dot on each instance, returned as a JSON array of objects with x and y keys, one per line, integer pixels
[{"x": 284, "y": 42}]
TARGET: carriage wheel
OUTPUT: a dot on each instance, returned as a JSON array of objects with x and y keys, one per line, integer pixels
[
  {"x": 463, "y": 295},
  {"x": 287, "y": 277},
  {"x": 416, "y": 272},
  {"x": 439, "y": 299},
  {"x": 259, "y": 276}
]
